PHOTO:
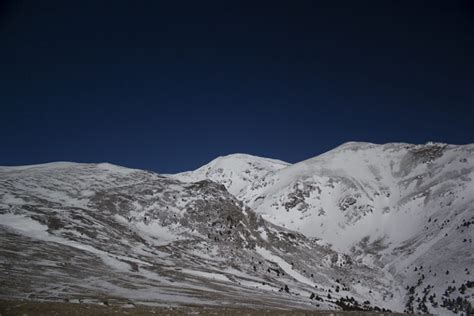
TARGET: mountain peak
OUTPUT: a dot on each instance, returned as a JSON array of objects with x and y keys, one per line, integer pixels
[
  {"x": 234, "y": 171},
  {"x": 246, "y": 157}
]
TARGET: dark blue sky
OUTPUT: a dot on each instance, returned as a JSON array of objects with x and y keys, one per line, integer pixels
[{"x": 168, "y": 87}]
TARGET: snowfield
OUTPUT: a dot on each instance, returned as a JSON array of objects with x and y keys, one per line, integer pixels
[{"x": 363, "y": 226}]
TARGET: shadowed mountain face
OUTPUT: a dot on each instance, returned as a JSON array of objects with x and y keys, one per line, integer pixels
[{"x": 358, "y": 227}]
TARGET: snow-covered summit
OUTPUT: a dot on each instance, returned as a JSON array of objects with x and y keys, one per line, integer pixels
[{"x": 234, "y": 171}]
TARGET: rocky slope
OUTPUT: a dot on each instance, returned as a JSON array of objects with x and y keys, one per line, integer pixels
[
  {"x": 106, "y": 234},
  {"x": 405, "y": 209}
]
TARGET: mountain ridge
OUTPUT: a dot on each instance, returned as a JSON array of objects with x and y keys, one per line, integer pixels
[
  {"x": 355, "y": 201},
  {"x": 381, "y": 204}
]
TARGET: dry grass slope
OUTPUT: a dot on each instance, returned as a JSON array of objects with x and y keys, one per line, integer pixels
[{"x": 27, "y": 308}]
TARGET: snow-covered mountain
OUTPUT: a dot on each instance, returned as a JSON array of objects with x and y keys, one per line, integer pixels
[
  {"x": 236, "y": 171},
  {"x": 363, "y": 225},
  {"x": 99, "y": 232},
  {"x": 404, "y": 208}
]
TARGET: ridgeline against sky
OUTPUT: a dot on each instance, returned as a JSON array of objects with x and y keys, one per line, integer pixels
[{"x": 168, "y": 87}]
